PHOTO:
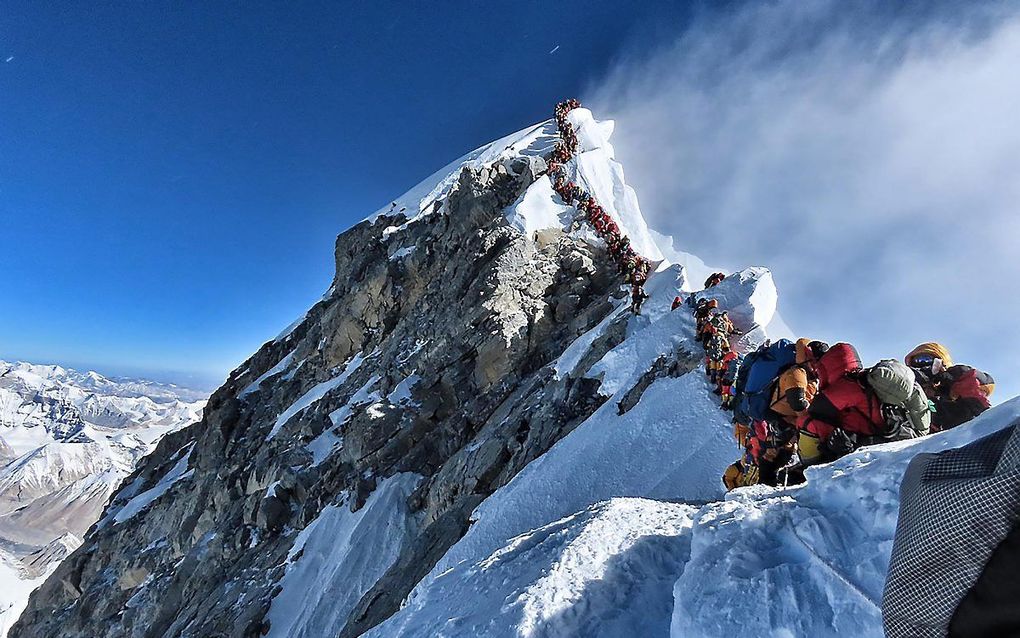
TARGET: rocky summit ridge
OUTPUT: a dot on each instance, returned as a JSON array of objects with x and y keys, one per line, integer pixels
[{"x": 472, "y": 325}]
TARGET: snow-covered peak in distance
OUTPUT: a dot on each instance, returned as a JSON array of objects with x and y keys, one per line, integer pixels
[
  {"x": 41, "y": 377},
  {"x": 67, "y": 440}
]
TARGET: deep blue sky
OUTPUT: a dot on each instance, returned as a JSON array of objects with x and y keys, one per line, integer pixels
[{"x": 173, "y": 175}]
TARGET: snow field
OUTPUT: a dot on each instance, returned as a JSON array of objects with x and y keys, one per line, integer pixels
[
  {"x": 805, "y": 561},
  {"x": 15, "y": 590},
  {"x": 809, "y": 560},
  {"x": 540, "y": 208}
]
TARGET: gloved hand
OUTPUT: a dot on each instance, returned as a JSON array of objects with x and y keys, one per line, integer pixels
[
  {"x": 809, "y": 448},
  {"x": 840, "y": 443},
  {"x": 967, "y": 387}
]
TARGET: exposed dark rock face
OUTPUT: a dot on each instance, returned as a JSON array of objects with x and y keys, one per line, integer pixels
[
  {"x": 674, "y": 365},
  {"x": 430, "y": 354}
]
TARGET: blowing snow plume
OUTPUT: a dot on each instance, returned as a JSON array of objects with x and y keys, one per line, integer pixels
[{"x": 867, "y": 159}]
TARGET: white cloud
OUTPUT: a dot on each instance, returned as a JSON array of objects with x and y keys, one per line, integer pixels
[{"x": 870, "y": 160}]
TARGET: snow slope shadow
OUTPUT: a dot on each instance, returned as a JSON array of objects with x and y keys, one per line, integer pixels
[
  {"x": 606, "y": 571},
  {"x": 631, "y": 598}
]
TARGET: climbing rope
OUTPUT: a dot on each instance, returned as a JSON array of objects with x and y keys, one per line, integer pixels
[
  {"x": 629, "y": 263},
  {"x": 842, "y": 577}
]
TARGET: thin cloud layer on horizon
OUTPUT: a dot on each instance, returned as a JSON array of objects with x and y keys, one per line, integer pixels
[{"x": 869, "y": 160}]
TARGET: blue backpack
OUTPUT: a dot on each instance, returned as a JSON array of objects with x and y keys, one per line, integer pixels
[{"x": 752, "y": 391}]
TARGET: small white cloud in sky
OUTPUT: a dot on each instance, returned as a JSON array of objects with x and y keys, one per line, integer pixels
[{"x": 555, "y": 49}]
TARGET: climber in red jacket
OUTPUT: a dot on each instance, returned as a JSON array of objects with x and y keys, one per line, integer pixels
[
  {"x": 714, "y": 279},
  {"x": 962, "y": 393},
  {"x": 842, "y": 406}
]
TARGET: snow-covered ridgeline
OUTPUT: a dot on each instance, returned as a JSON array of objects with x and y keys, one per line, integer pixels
[
  {"x": 675, "y": 433},
  {"x": 670, "y": 446},
  {"x": 420, "y": 202},
  {"x": 540, "y": 208},
  {"x": 805, "y": 561}
]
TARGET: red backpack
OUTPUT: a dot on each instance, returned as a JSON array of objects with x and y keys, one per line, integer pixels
[{"x": 839, "y": 360}]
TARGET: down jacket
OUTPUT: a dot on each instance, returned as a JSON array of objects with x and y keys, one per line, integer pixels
[
  {"x": 962, "y": 394},
  {"x": 795, "y": 388},
  {"x": 842, "y": 401}
]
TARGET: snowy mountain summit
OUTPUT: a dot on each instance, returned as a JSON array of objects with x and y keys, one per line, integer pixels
[
  {"x": 67, "y": 439},
  {"x": 472, "y": 435}
]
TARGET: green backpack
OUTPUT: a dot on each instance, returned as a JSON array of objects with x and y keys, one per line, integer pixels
[{"x": 894, "y": 384}]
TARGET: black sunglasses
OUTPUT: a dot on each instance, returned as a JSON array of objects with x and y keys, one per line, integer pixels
[{"x": 922, "y": 360}]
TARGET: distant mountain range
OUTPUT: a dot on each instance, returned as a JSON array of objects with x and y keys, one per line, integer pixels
[{"x": 67, "y": 440}]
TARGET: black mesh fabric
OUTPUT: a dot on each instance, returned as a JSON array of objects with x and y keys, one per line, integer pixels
[{"x": 956, "y": 508}]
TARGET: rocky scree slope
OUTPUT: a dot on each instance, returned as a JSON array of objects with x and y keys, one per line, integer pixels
[{"x": 426, "y": 359}]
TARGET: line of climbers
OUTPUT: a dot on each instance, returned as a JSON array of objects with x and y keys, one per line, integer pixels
[
  {"x": 797, "y": 404},
  {"x": 632, "y": 266},
  {"x": 794, "y": 404}
]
